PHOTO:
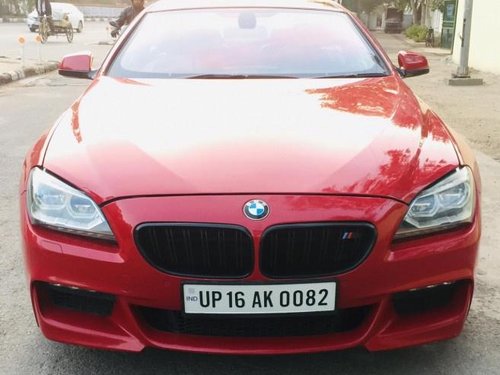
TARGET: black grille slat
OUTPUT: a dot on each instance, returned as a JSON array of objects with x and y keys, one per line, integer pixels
[
  {"x": 312, "y": 250},
  {"x": 255, "y": 326},
  {"x": 226, "y": 251},
  {"x": 198, "y": 250}
]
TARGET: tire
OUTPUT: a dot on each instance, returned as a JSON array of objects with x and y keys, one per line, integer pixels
[
  {"x": 79, "y": 29},
  {"x": 69, "y": 33},
  {"x": 33, "y": 29},
  {"x": 43, "y": 30}
]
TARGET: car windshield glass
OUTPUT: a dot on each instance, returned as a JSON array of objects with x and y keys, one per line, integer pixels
[{"x": 246, "y": 43}]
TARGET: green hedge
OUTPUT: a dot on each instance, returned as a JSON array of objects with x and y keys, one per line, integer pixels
[{"x": 416, "y": 32}]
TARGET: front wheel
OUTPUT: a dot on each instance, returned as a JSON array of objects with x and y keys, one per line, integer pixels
[
  {"x": 69, "y": 33},
  {"x": 80, "y": 27}
]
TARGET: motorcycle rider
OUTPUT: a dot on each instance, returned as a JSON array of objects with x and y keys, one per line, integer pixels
[
  {"x": 126, "y": 16},
  {"x": 43, "y": 7}
]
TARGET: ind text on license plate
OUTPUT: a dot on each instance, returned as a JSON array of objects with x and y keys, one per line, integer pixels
[{"x": 258, "y": 298}]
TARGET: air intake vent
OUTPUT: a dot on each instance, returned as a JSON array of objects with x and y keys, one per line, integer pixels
[{"x": 255, "y": 326}]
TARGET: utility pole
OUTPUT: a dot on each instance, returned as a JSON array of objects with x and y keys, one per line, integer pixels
[
  {"x": 463, "y": 69},
  {"x": 462, "y": 76}
]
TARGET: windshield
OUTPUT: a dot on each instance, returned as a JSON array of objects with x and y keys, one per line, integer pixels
[{"x": 246, "y": 43}]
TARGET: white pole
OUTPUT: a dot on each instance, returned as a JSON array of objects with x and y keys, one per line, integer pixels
[
  {"x": 21, "y": 40},
  {"x": 463, "y": 69}
]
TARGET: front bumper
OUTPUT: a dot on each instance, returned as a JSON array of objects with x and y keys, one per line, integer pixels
[{"x": 391, "y": 273}]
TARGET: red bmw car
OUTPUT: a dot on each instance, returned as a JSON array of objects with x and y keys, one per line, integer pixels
[{"x": 249, "y": 177}]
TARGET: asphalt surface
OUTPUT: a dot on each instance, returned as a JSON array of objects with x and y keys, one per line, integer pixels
[
  {"x": 29, "y": 106},
  {"x": 29, "y": 58}
]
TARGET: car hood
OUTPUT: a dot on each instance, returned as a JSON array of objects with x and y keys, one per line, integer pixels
[{"x": 369, "y": 137}]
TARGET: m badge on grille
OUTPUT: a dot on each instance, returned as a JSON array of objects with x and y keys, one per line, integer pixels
[{"x": 256, "y": 209}]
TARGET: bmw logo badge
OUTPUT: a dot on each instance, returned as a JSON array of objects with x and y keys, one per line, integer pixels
[{"x": 256, "y": 209}]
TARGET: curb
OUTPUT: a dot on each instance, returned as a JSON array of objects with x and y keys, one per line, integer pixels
[
  {"x": 98, "y": 19},
  {"x": 27, "y": 71},
  {"x": 12, "y": 19},
  {"x": 86, "y": 18}
]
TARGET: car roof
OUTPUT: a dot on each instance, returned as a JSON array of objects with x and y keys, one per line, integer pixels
[{"x": 197, "y": 4}]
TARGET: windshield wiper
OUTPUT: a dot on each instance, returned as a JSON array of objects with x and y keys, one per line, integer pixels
[
  {"x": 355, "y": 75},
  {"x": 236, "y": 76}
]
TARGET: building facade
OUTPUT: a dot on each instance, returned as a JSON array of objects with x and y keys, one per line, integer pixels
[{"x": 484, "y": 51}]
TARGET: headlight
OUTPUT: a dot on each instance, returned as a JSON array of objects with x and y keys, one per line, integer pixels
[
  {"x": 447, "y": 204},
  {"x": 54, "y": 204}
]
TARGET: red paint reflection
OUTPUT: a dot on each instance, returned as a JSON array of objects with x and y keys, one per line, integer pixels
[
  {"x": 75, "y": 121},
  {"x": 75, "y": 113},
  {"x": 403, "y": 161},
  {"x": 383, "y": 97},
  {"x": 369, "y": 97}
]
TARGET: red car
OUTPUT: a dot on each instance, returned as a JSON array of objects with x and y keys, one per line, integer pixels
[{"x": 249, "y": 177}]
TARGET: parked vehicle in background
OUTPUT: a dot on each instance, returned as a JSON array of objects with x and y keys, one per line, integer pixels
[
  {"x": 75, "y": 16},
  {"x": 393, "y": 21}
]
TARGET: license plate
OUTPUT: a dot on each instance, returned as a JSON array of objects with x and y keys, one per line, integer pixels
[{"x": 258, "y": 298}]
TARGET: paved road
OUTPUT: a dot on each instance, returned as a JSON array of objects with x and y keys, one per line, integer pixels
[
  {"x": 94, "y": 37},
  {"x": 30, "y": 106}
]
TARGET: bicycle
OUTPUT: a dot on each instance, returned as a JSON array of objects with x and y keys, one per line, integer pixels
[{"x": 60, "y": 27}]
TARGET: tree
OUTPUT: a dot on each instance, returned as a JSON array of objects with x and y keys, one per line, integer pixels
[
  {"x": 416, "y": 9},
  {"x": 17, "y": 7},
  {"x": 437, "y": 5},
  {"x": 369, "y": 5},
  {"x": 419, "y": 7},
  {"x": 359, "y": 6}
]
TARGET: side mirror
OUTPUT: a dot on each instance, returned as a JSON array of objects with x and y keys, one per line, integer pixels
[
  {"x": 77, "y": 66},
  {"x": 412, "y": 64}
]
